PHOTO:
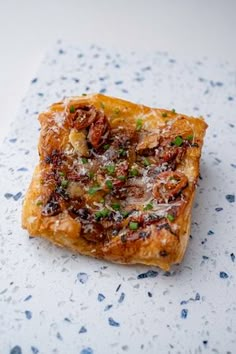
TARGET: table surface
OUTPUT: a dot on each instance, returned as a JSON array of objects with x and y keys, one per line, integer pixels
[{"x": 29, "y": 27}]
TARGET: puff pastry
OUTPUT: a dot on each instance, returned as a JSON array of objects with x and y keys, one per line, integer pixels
[{"x": 115, "y": 180}]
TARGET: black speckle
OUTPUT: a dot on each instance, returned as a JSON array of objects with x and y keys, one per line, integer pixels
[
  {"x": 75, "y": 80},
  {"x": 87, "y": 351},
  {"x": 82, "y": 330},
  {"x": 108, "y": 307},
  {"x": 205, "y": 257},
  {"x": 148, "y": 274},
  {"x": 28, "y": 314},
  {"x": 17, "y": 196},
  {"x": 231, "y": 125},
  {"x": 118, "y": 288},
  {"x": 34, "y": 350},
  {"x": 223, "y": 275},
  {"x": 147, "y": 68},
  {"x": 230, "y": 198},
  {"x": 22, "y": 169},
  {"x": 103, "y": 90},
  {"x": 101, "y": 297},
  {"x": 232, "y": 255},
  {"x": 40, "y": 94},
  {"x": 59, "y": 336},
  {"x": 28, "y": 298},
  {"x": 113, "y": 323},
  {"x": 184, "y": 313},
  {"x": 34, "y": 80},
  {"x": 172, "y": 61},
  {"x": 16, "y": 350},
  {"x": 218, "y": 83},
  {"x": 8, "y": 195},
  {"x": 118, "y": 82},
  {"x": 149, "y": 294},
  {"x": 233, "y": 165},
  {"x": 67, "y": 320},
  {"x": 230, "y": 98},
  {"x": 205, "y": 342},
  {"x": 121, "y": 298},
  {"x": 218, "y": 209},
  {"x": 82, "y": 277},
  {"x": 210, "y": 232},
  {"x": 61, "y": 51}
]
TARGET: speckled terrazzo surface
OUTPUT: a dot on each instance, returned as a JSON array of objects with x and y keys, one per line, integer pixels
[{"x": 52, "y": 301}]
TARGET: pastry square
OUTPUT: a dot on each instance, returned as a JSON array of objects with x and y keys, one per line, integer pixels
[{"x": 115, "y": 180}]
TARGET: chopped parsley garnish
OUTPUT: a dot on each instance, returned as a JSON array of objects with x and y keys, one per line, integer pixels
[
  {"x": 164, "y": 115},
  {"x": 133, "y": 225},
  {"x": 122, "y": 152},
  {"x": 91, "y": 174},
  {"x": 173, "y": 110},
  {"x": 109, "y": 184},
  {"x": 190, "y": 137},
  {"x": 170, "y": 217},
  {"x": 64, "y": 183},
  {"x": 115, "y": 206},
  {"x": 124, "y": 213},
  {"x": 110, "y": 169},
  {"x": 102, "y": 105},
  {"x": 121, "y": 178},
  {"x": 139, "y": 124},
  {"x": 106, "y": 146},
  {"x": 146, "y": 162},
  {"x": 102, "y": 213},
  {"x": 102, "y": 201},
  {"x": 62, "y": 174},
  {"x": 39, "y": 202},
  {"x": 133, "y": 172},
  {"x": 93, "y": 190},
  {"x": 84, "y": 160},
  {"x": 178, "y": 141},
  {"x": 117, "y": 110},
  {"x": 72, "y": 109},
  {"x": 149, "y": 206},
  {"x": 84, "y": 94}
]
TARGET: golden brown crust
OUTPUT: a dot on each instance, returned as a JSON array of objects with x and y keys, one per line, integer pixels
[{"x": 167, "y": 239}]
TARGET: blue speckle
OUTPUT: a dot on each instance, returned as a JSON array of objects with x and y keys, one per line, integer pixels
[
  {"x": 113, "y": 323},
  {"x": 210, "y": 232},
  {"x": 28, "y": 298},
  {"x": 40, "y": 94},
  {"x": 28, "y": 314},
  {"x": 230, "y": 98},
  {"x": 230, "y": 198},
  {"x": 17, "y": 196},
  {"x": 223, "y": 275},
  {"x": 118, "y": 82},
  {"x": 34, "y": 80},
  {"x": 197, "y": 297},
  {"x": 108, "y": 307},
  {"x": 101, "y": 297},
  {"x": 61, "y": 51},
  {"x": 233, "y": 165},
  {"x": 184, "y": 313},
  {"x": 121, "y": 298},
  {"x": 16, "y": 350},
  {"x": 34, "y": 350},
  {"x": 87, "y": 351},
  {"x": 82, "y": 277},
  {"x": 8, "y": 195},
  {"x": 82, "y": 330},
  {"x": 232, "y": 255},
  {"x": 13, "y": 140},
  {"x": 59, "y": 336},
  {"x": 22, "y": 169},
  {"x": 103, "y": 90},
  {"x": 148, "y": 274},
  {"x": 218, "y": 209}
]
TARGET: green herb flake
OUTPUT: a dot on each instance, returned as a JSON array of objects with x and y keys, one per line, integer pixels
[
  {"x": 122, "y": 152},
  {"x": 170, "y": 217},
  {"x": 102, "y": 201},
  {"x": 115, "y": 206},
  {"x": 109, "y": 184},
  {"x": 124, "y": 213},
  {"x": 93, "y": 190},
  {"x": 91, "y": 174},
  {"x": 106, "y": 146},
  {"x": 72, "y": 109},
  {"x": 102, "y": 213},
  {"x": 117, "y": 110},
  {"x": 64, "y": 183},
  {"x": 133, "y": 225},
  {"x": 149, "y": 206},
  {"x": 178, "y": 141},
  {"x": 164, "y": 115},
  {"x": 189, "y": 137},
  {"x": 146, "y": 162},
  {"x": 110, "y": 169},
  {"x": 102, "y": 105},
  {"x": 133, "y": 172},
  {"x": 173, "y": 110},
  {"x": 39, "y": 203},
  {"x": 84, "y": 160},
  {"x": 84, "y": 94},
  {"x": 62, "y": 174},
  {"x": 139, "y": 124},
  {"x": 121, "y": 178}
]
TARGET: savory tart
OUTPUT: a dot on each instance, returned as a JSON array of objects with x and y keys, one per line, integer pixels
[{"x": 115, "y": 180}]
